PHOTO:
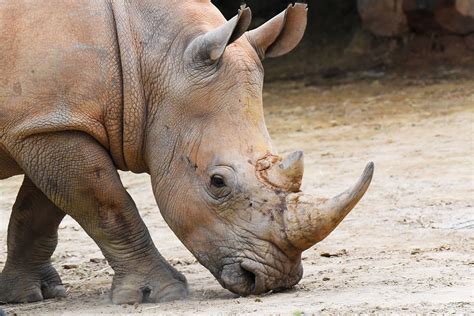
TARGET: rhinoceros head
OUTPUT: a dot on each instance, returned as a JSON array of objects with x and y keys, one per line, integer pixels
[{"x": 220, "y": 185}]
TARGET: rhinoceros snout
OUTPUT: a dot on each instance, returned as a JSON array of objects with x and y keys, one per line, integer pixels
[{"x": 248, "y": 278}]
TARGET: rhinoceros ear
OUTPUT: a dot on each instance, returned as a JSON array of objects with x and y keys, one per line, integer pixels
[
  {"x": 281, "y": 34},
  {"x": 211, "y": 45}
]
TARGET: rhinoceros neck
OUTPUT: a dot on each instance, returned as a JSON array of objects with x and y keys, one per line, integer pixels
[
  {"x": 146, "y": 31},
  {"x": 133, "y": 97}
]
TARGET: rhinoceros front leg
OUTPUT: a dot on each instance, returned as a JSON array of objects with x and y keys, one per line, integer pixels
[
  {"x": 78, "y": 175},
  {"x": 28, "y": 275}
]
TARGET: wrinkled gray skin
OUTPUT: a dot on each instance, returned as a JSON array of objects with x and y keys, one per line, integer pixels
[{"x": 164, "y": 87}]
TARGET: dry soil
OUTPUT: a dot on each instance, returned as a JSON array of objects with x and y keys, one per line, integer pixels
[{"x": 407, "y": 247}]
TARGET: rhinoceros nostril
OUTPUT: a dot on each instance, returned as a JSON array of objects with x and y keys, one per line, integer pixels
[
  {"x": 146, "y": 292},
  {"x": 250, "y": 276}
]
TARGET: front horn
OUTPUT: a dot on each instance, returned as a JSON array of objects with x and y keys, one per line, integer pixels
[{"x": 309, "y": 219}]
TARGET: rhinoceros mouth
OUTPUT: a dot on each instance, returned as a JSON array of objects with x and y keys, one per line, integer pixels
[{"x": 248, "y": 278}]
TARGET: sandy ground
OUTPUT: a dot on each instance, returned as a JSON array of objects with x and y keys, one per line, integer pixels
[{"x": 407, "y": 247}]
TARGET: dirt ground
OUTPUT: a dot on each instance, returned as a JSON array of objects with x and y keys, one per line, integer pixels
[{"x": 407, "y": 247}]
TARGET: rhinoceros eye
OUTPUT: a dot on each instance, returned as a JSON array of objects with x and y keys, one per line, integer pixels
[
  {"x": 217, "y": 181},
  {"x": 220, "y": 183}
]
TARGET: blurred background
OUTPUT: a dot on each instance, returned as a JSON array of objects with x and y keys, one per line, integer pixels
[{"x": 377, "y": 36}]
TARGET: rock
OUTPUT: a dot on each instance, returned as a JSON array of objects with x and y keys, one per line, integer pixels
[
  {"x": 415, "y": 251},
  {"x": 465, "y": 7},
  {"x": 394, "y": 18},
  {"x": 70, "y": 266},
  {"x": 458, "y": 18},
  {"x": 383, "y": 17},
  {"x": 340, "y": 253}
]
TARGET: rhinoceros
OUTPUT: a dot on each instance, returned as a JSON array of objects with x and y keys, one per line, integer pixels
[{"x": 165, "y": 87}]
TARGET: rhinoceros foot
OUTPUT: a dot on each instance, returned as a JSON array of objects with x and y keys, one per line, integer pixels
[
  {"x": 23, "y": 285},
  {"x": 133, "y": 289}
]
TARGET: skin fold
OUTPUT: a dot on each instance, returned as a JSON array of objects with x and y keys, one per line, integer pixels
[{"x": 168, "y": 88}]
